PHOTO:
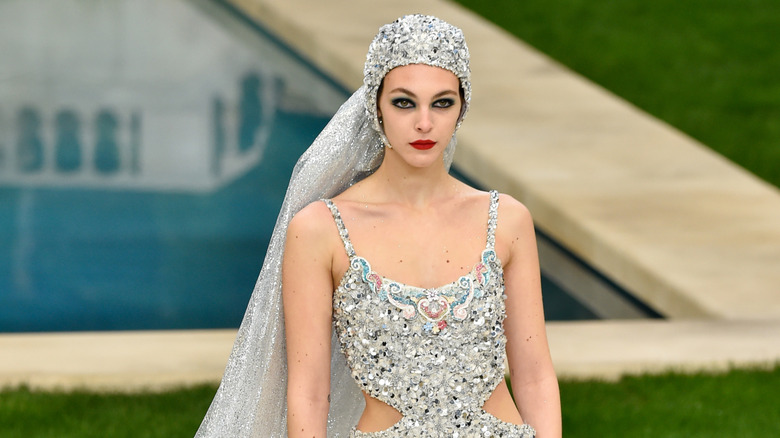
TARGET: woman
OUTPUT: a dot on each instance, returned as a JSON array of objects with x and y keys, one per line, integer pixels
[{"x": 426, "y": 352}]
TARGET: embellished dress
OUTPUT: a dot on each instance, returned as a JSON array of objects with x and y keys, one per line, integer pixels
[{"x": 435, "y": 355}]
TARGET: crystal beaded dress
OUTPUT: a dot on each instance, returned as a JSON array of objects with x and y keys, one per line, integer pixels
[{"x": 435, "y": 355}]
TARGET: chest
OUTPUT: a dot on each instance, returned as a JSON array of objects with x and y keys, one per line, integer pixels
[
  {"x": 423, "y": 255},
  {"x": 477, "y": 296}
]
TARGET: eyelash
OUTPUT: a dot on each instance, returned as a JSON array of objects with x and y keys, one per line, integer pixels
[
  {"x": 444, "y": 103},
  {"x": 404, "y": 103}
]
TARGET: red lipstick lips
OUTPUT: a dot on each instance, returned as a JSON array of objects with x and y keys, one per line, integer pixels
[{"x": 423, "y": 145}]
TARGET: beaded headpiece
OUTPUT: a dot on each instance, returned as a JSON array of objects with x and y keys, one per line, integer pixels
[{"x": 416, "y": 39}]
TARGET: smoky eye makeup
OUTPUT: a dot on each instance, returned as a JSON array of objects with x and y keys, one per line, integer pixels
[
  {"x": 444, "y": 103},
  {"x": 405, "y": 102},
  {"x": 402, "y": 102}
]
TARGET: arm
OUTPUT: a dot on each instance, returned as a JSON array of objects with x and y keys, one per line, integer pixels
[
  {"x": 534, "y": 384},
  {"x": 307, "y": 293}
]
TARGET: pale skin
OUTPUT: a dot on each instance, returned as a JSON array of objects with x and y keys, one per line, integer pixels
[{"x": 412, "y": 199}]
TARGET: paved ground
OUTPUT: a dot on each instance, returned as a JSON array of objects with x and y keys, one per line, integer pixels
[
  {"x": 693, "y": 235},
  {"x": 132, "y": 361},
  {"x": 114, "y": 361}
]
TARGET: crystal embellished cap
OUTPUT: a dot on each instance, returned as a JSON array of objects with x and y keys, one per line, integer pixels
[{"x": 416, "y": 39}]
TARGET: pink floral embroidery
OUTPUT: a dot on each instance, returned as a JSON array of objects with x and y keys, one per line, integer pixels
[
  {"x": 479, "y": 269},
  {"x": 376, "y": 279}
]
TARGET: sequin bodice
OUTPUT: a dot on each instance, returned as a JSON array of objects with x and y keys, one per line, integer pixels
[{"x": 435, "y": 355}]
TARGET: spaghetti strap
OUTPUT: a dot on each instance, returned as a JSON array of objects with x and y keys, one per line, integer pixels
[
  {"x": 343, "y": 233},
  {"x": 492, "y": 220}
]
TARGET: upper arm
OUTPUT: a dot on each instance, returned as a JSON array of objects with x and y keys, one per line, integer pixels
[
  {"x": 527, "y": 349},
  {"x": 307, "y": 293}
]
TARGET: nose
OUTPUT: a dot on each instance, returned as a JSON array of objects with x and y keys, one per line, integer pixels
[{"x": 424, "y": 123}]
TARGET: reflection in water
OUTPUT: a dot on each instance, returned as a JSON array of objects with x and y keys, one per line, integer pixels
[
  {"x": 100, "y": 148},
  {"x": 29, "y": 146},
  {"x": 135, "y": 143},
  {"x": 121, "y": 96},
  {"x": 218, "y": 113},
  {"x": 68, "y": 146},
  {"x": 107, "y": 146},
  {"x": 251, "y": 111}
]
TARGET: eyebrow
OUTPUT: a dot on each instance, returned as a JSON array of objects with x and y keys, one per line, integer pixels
[{"x": 437, "y": 95}]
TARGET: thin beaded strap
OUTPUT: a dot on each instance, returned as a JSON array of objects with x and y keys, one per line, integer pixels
[
  {"x": 340, "y": 225},
  {"x": 492, "y": 219}
]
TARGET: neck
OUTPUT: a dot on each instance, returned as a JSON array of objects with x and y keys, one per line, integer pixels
[{"x": 415, "y": 187}]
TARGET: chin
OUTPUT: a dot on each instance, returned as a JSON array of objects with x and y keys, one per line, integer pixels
[{"x": 425, "y": 163}]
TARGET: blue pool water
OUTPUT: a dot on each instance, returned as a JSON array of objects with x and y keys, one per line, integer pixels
[
  {"x": 145, "y": 148},
  {"x": 89, "y": 259},
  {"x": 144, "y": 152}
]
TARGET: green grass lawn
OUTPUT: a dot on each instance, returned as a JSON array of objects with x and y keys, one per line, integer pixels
[
  {"x": 708, "y": 67},
  {"x": 25, "y": 414},
  {"x": 737, "y": 404},
  {"x": 741, "y": 403}
]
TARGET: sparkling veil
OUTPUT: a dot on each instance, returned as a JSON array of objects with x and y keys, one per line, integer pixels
[{"x": 251, "y": 400}]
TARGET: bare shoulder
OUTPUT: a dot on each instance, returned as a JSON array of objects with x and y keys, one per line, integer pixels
[
  {"x": 313, "y": 222},
  {"x": 515, "y": 234},
  {"x": 513, "y": 214}
]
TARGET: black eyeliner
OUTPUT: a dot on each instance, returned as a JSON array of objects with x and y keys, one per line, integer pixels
[
  {"x": 399, "y": 100},
  {"x": 449, "y": 103}
]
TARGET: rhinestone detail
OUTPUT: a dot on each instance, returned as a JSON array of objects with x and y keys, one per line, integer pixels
[{"x": 435, "y": 355}]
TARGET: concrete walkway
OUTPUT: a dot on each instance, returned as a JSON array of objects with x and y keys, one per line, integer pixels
[
  {"x": 153, "y": 361},
  {"x": 114, "y": 361},
  {"x": 688, "y": 232}
]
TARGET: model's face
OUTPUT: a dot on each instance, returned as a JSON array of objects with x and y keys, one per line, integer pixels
[{"x": 419, "y": 106}]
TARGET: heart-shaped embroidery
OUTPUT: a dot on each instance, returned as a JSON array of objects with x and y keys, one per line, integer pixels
[{"x": 433, "y": 308}]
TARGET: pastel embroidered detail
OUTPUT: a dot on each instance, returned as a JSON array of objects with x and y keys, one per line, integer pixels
[{"x": 434, "y": 304}]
